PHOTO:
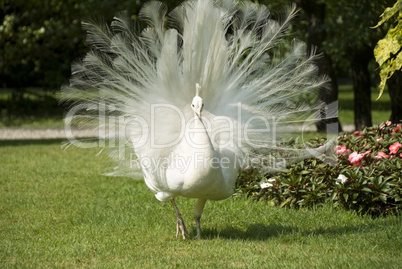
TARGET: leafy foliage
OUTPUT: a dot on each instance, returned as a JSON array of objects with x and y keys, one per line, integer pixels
[
  {"x": 366, "y": 182},
  {"x": 40, "y": 38},
  {"x": 343, "y": 20},
  {"x": 388, "y": 50}
]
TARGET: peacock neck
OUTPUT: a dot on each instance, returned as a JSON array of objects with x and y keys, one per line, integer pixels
[
  {"x": 198, "y": 122},
  {"x": 200, "y": 135}
]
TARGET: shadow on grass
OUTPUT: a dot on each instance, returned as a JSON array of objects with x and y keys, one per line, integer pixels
[
  {"x": 26, "y": 142},
  {"x": 256, "y": 232},
  {"x": 30, "y": 105},
  {"x": 253, "y": 232}
]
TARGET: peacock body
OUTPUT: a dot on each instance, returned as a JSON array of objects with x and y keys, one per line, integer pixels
[{"x": 195, "y": 95}]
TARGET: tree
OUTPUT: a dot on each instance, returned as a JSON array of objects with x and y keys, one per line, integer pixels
[
  {"x": 341, "y": 31},
  {"x": 350, "y": 37},
  {"x": 388, "y": 54},
  {"x": 317, "y": 34},
  {"x": 40, "y": 38}
]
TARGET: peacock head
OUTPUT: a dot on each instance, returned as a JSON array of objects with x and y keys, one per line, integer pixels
[{"x": 197, "y": 104}]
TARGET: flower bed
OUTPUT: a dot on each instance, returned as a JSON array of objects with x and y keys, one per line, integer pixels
[{"x": 363, "y": 173}]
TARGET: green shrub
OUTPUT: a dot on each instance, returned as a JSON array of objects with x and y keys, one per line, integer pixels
[{"x": 363, "y": 173}]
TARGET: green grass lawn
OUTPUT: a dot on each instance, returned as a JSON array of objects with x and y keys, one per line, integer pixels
[
  {"x": 380, "y": 109},
  {"x": 57, "y": 211}
]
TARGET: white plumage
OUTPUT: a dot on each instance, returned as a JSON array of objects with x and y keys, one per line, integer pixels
[{"x": 139, "y": 89}]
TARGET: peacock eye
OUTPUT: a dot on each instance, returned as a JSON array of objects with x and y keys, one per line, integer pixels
[{"x": 192, "y": 105}]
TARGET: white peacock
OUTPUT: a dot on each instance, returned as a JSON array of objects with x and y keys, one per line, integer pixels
[{"x": 248, "y": 83}]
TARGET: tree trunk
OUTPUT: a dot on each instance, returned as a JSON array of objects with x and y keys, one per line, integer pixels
[
  {"x": 328, "y": 96},
  {"x": 395, "y": 92},
  {"x": 362, "y": 87},
  {"x": 316, "y": 37}
]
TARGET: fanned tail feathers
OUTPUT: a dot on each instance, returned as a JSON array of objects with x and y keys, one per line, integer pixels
[{"x": 136, "y": 87}]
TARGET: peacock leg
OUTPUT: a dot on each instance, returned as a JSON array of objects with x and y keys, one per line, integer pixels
[
  {"x": 180, "y": 223},
  {"x": 199, "y": 207}
]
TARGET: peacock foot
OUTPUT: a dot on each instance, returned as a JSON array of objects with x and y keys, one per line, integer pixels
[
  {"x": 180, "y": 223},
  {"x": 197, "y": 237},
  {"x": 181, "y": 228}
]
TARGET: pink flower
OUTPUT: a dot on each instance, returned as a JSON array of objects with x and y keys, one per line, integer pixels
[
  {"x": 393, "y": 149},
  {"x": 388, "y": 123},
  {"x": 366, "y": 153},
  {"x": 358, "y": 133},
  {"x": 380, "y": 139},
  {"x": 381, "y": 155},
  {"x": 355, "y": 158},
  {"x": 341, "y": 149},
  {"x": 365, "y": 144},
  {"x": 397, "y": 129}
]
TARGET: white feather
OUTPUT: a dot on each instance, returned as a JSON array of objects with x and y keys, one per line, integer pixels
[{"x": 144, "y": 83}]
